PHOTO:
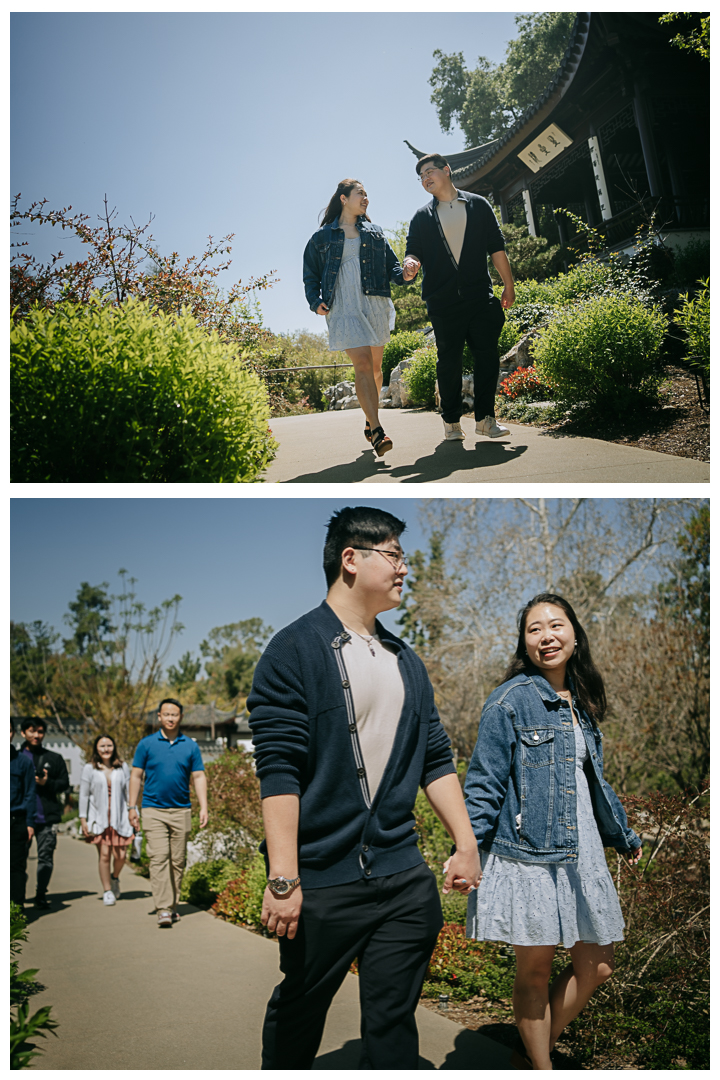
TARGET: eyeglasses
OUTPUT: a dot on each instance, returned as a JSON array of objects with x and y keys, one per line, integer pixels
[
  {"x": 397, "y": 558},
  {"x": 424, "y": 175}
]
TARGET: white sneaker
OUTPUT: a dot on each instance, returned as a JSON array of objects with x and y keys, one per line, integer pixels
[
  {"x": 490, "y": 427},
  {"x": 115, "y": 886},
  {"x": 453, "y": 431},
  {"x": 108, "y": 898}
]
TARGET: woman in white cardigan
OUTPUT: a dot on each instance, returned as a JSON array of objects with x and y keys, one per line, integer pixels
[{"x": 103, "y": 812}]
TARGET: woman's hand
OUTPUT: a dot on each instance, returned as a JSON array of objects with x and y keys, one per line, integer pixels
[
  {"x": 462, "y": 872},
  {"x": 85, "y": 831},
  {"x": 634, "y": 857},
  {"x": 323, "y": 309},
  {"x": 134, "y": 819},
  {"x": 410, "y": 267}
]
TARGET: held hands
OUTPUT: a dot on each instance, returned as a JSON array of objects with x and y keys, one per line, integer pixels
[
  {"x": 634, "y": 857},
  {"x": 410, "y": 268},
  {"x": 323, "y": 309},
  {"x": 462, "y": 872},
  {"x": 42, "y": 781},
  {"x": 281, "y": 914}
]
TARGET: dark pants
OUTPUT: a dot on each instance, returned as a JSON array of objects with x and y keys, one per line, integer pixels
[
  {"x": 480, "y": 325},
  {"x": 46, "y": 838},
  {"x": 390, "y": 924},
  {"x": 19, "y": 847}
]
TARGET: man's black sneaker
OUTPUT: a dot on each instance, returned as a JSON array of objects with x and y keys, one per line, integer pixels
[{"x": 41, "y": 902}]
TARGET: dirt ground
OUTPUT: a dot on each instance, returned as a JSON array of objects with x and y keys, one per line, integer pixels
[{"x": 681, "y": 427}]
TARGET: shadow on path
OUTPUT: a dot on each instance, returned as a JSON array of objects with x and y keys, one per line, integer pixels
[
  {"x": 58, "y": 902},
  {"x": 348, "y": 1057},
  {"x": 446, "y": 459}
]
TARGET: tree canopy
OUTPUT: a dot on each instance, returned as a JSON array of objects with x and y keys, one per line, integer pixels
[{"x": 488, "y": 99}]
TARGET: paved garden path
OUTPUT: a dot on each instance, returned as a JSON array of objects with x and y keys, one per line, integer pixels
[
  {"x": 329, "y": 448},
  {"x": 128, "y": 995}
]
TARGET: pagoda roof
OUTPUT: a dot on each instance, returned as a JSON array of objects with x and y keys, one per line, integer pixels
[{"x": 468, "y": 163}]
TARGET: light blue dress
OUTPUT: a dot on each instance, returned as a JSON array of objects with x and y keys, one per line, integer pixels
[
  {"x": 355, "y": 319},
  {"x": 550, "y": 903}
]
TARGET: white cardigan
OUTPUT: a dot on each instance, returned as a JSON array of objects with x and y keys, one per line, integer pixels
[{"x": 94, "y": 800}]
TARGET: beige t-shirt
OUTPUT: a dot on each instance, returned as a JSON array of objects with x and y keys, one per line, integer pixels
[
  {"x": 378, "y": 695},
  {"x": 453, "y": 218}
]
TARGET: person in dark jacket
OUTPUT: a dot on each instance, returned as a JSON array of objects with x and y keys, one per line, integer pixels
[
  {"x": 22, "y": 818},
  {"x": 347, "y": 269},
  {"x": 451, "y": 238},
  {"x": 345, "y": 732},
  {"x": 51, "y": 780}
]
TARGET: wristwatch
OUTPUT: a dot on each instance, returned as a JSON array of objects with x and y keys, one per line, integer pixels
[
  {"x": 132, "y": 807},
  {"x": 281, "y": 886}
]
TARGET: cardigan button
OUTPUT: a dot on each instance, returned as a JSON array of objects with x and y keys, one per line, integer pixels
[
  {"x": 346, "y": 683},
  {"x": 365, "y": 847},
  {"x": 361, "y": 773},
  {"x": 352, "y": 728},
  {"x": 368, "y": 872}
]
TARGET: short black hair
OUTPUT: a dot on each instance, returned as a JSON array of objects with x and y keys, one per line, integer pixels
[
  {"x": 33, "y": 721},
  {"x": 436, "y": 159},
  {"x": 356, "y": 526},
  {"x": 170, "y": 701}
]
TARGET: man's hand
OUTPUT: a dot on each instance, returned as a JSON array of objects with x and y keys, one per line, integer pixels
[
  {"x": 508, "y": 296},
  {"x": 31, "y": 833},
  {"x": 281, "y": 914},
  {"x": 410, "y": 267},
  {"x": 203, "y": 818},
  {"x": 323, "y": 309},
  {"x": 42, "y": 781},
  {"x": 462, "y": 872}
]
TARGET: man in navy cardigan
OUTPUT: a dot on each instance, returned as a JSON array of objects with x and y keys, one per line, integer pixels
[
  {"x": 345, "y": 876},
  {"x": 451, "y": 238}
]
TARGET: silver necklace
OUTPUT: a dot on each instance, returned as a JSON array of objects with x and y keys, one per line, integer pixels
[{"x": 368, "y": 640}]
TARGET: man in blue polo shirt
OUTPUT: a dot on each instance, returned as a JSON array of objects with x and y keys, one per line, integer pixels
[{"x": 168, "y": 760}]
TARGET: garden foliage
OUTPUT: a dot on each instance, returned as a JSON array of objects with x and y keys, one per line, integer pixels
[
  {"x": 604, "y": 353},
  {"x": 236, "y": 827},
  {"x": 693, "y": 318},
  {"x": 23, "y": 985},
  {"x": 420, "y": 376},
  {"x": 241, "y": 900},
  {"x": 103, "y": 394},
  {"x": 399, "y": 347},
  {"x": 204, "y": 880},
  {"x": 524, "y": 384}
]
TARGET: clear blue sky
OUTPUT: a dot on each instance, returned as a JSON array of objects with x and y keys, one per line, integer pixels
[
  {"x": 229, "y": 559},
  {"x": 220, "y": 123}
]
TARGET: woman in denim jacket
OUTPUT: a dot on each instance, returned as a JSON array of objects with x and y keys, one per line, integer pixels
[
  {"x": 542, "y": 814},
  {"x": 347, "y": 269}
]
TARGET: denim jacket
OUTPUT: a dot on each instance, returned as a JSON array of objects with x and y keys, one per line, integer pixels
[
  {"x": 323, "y": 255},
  {"x": 520, "y": 786}
]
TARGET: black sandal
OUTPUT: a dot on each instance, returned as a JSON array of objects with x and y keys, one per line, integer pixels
[
  {"x": 368, "y": 433},
  {"x": 380, "y": 442}
]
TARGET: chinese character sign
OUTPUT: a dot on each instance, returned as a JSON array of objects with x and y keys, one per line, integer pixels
[{"x": 551, "y": 142}]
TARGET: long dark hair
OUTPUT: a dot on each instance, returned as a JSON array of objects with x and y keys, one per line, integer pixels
[
  {"x": 334, "y": 207},
  {"x": 586, "y": 679},
  {"x": 115, "y": 760}
]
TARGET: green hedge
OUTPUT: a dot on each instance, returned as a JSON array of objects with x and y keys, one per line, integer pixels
[
  {"x": 398, "y": 348},
  {"x": 694, "y": 318},
  {"x": 204, "y": 880},
  {"x": 125, "y": 395},
  {"x": 420, "y": 376},
  {"x": 604, "y": 353}
]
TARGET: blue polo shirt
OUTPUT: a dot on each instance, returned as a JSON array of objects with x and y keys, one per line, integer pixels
[{"x": 168, "y": 767}]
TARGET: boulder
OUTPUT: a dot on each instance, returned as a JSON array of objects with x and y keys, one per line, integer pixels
[{"x": 397, "y": 388}]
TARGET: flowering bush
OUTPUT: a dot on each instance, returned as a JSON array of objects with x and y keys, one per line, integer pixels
[
  {"x": 524, "y": 385},
  {"x": 241, "y": 900}
]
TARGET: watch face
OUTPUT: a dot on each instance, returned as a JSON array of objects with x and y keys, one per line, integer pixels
[{"x": 279, "y": 886}]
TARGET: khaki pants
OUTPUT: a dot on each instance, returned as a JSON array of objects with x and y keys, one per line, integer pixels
[{"x": 166, "y": 832}]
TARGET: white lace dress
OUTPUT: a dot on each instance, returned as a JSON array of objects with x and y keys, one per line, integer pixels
[
  {"x": 550, "y": 903},
  {"x": 355, "y": 319}
]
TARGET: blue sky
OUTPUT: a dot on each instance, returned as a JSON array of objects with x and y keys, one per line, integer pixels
[
  {"x": 229, "y": 559},
  {"x": 220, "y": 123}
]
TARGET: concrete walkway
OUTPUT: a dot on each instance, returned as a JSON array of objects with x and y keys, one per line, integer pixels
[
  {"x": 128, "y": 995},
  {"x": 329, "y": 448}
]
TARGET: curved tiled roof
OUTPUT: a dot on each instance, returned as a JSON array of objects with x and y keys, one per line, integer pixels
[{"x": 469, "y": 161}]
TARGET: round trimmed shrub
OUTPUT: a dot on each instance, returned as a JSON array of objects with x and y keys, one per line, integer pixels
[
  {"x": 421, "y": 375},
  {"x": 398, "y": 348},
  {"x": 128, "y": 395},
  {"x": 604, "y": 352}
]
